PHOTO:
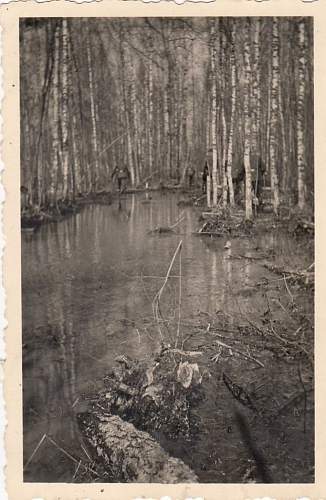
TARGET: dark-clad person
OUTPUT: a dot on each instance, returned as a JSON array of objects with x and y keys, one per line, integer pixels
[
  {"x": 204, "y": 177},
  {"x": 121, "y": 174},
  {"x": 190, "y": 175}
]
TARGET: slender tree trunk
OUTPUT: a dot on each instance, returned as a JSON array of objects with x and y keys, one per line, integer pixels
[
  {"x": 223, "y": 158},
  {"x": 213, "y": 42},
  {"x": 255, "y": 140},
  {"x": 133, "y": 123},
  {"x": 64, "y": 109},
  {"x": 223, "y": 130},
  {"x": 229, "y": 160},
  {"x": 184, "y": 151},
  {"x": 190, "y": 113},
  {"x": 208, "y": 143},
  {"x": 176, "y": 122},
  {"x": 208, "y": 190},
  {"x": 170, "y": 114},
  {"x": 38, "y": 186},
  {"x": 150, "y": 107},
  {"x": 76, "y": 163},
  {"x": 247, "y": 127},
  {"x": 53, "y": 173},
  {"x": 301, "y": 152},
  {"x": 268, "y": 122},
  {"x": 95, "y": 165},
  {"x": 285, "y": 156},
  {"x": 166, "y": 130},
  {"x": 274, "y": 116},
  {"x": 85, "y": 183},
  {"x": 256, "y": 91}
]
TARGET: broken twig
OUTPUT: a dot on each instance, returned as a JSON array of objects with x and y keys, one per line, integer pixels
[{"x": 246, "y": 356}]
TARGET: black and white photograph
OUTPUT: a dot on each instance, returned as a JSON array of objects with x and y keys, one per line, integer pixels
[{"x": 167, "y": 249}]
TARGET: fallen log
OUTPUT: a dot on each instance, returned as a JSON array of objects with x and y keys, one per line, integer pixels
[{"x": 131, "y": 455}]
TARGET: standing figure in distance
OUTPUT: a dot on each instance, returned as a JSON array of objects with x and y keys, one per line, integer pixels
[
  {"x": 204, "y": 177},
  {"x": 190, "y": 175},
  {"x": 121, "y": 174}
]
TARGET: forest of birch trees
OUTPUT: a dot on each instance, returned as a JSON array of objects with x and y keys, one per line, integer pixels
[{"x": 160, "y": 94}]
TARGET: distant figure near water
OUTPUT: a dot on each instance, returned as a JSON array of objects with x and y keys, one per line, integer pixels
[
  {"x": 190, "y": 175},
  {"x": 121, "y": 174},
  {"x": 258, "y": 171},
  {"x": 204, "y": 177}
]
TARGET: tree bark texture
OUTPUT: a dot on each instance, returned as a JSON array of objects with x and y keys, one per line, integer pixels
[
  {"x": 301, "y": 153},
  {"x": 247, "y": 124},
  {"x": 131, "y": 455},
  {"x": 274, "y": 117},
  {"x": 95, "y": 168},
  {"x": 229, "y": 155}
]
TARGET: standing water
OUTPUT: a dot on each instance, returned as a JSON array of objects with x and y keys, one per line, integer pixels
[{"x": 88, "y": 284}]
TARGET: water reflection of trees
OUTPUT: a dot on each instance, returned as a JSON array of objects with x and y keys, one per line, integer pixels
[{"x": 50, "y": 360}]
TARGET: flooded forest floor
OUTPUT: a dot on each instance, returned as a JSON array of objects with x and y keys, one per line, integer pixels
[{"x": 219, "y": 372}]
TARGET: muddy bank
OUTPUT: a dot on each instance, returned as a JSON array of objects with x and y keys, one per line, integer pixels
[
  {"x": 220, "y": 223},
  {"x": 32, "y": 218}
]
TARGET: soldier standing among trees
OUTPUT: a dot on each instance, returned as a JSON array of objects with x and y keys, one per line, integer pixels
[
  {"x": 121, "y": 174},
  {"x": 204, "y": 177}
]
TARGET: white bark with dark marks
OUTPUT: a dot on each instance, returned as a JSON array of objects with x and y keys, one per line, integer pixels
[
  {"x": 274, "y": 116},
  {"x": 301, "y": 153},
  {"x": 131, "y": 455},
  {"x": 247, "y": 124}
]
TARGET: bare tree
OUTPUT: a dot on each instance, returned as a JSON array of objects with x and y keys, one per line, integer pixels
[
  {"x": 301, "y": 153},
  {"x": 274, "y": 115},
  {"x": 247, "y": 122}
]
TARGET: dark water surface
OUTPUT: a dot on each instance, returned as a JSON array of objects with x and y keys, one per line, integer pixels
[{"x": 88, "y": 285}]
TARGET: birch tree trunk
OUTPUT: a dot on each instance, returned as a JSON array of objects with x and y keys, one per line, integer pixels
[
  {"x": 223, "y": 157},
  {"x": 223, "y": 130},
  {"x": 166, "y": 129},
  {"x": 208, "y": 144},
  {"x": 301, "y": 153},
  {"x": 53, "y": 173},
  {"x": 214, "y": 110},
  {"x": 39, "y": 186},
  {"x": 274, "y": 116},
  {"x": 256, "y": 91},
  {"x": 247, "y": 127},
  {"x": 233, "y": 109},
  {"x": 64, "y": 109},
  {"x": 76, "y": 163},
  {"x": 208, "y": 189},
  {"x": 170, "y": 115},
  {"x": 190, "y": 113},
  {"x": 127, "y": 108},
  {"x": 150, "y": 106},
  {"x": 94, "y": 166},
  {"x": 132, "y": 113},
  {"x": 268, "y": 122},
  {"x": 285, "y": 155},
  {"x": 184, "y": 150}
]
